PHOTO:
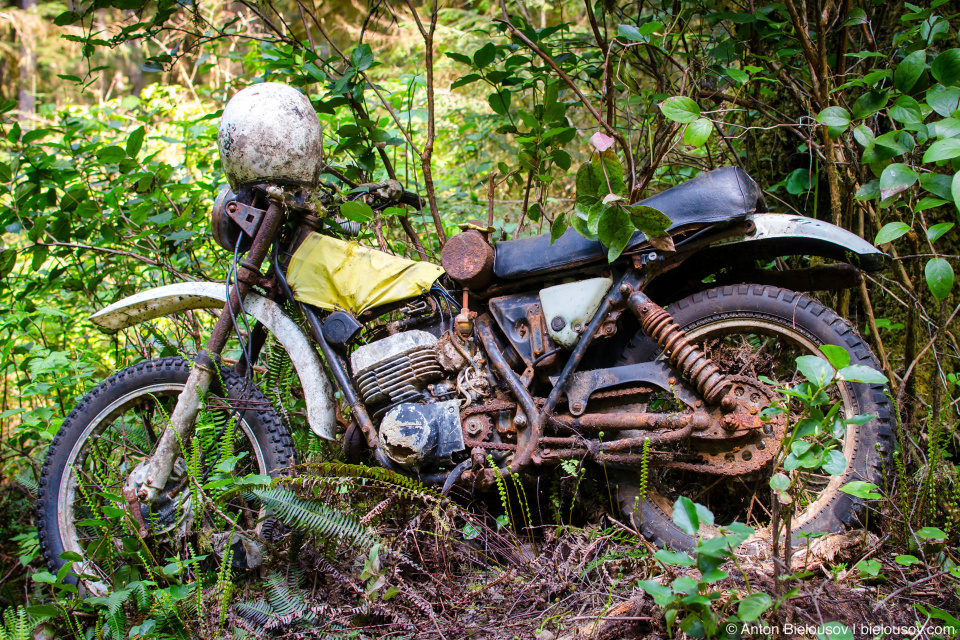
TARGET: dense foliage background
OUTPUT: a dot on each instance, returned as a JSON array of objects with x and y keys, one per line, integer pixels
[{"x": 844, "y": 110}]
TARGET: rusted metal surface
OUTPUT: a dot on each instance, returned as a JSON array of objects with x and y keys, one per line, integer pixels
[
  {"x": 477, "y": 427},
  {"x": 644, "y": 421},
  {"x": 468, "y": 258},
  {"x": 583, "y": 384},
  {"x": 752, "y": 445},
  {"x": 685, "y": 356},
  {"x": 609, "y": 325}
]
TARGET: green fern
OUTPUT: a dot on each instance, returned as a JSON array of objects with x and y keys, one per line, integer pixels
[
  {"x": 18, "y": 624},
  {"x": 315, "y": 518}
]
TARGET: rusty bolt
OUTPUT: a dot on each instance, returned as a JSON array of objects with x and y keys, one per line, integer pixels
[
  {"x": 558, "y": 323},
  {"x": 673, "y": 380},
  {"x": 729, "y": 403},
  {"x": 520, "y": 420},
  {"x": 578, "y": 406},
  {"x": 625, "y": 289}
]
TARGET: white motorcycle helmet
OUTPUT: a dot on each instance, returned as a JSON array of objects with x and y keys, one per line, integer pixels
[{"x": 269, "y": 132}]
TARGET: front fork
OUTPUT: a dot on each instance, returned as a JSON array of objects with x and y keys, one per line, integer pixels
[{"x": 149, "y": 478}]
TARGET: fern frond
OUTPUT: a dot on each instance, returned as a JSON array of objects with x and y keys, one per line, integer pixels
[
  {"x": 314, "y": 517},
  {"x": 318, "y": 473}
]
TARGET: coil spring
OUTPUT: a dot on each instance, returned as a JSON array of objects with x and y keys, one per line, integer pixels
[{"x": 685, "y": 357}]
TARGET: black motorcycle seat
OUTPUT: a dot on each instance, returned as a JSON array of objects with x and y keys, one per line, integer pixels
[{"x": 721, "y": 195}]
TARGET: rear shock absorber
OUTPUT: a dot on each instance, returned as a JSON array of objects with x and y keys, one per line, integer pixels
[{"x": 684, "y": 356}]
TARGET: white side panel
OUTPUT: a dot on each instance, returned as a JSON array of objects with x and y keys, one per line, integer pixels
[
  {"x": 567, "y": 307},
  {"x": 174, "y": 298}
]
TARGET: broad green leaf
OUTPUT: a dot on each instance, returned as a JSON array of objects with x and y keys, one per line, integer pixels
[
  {"x": 111, "y": 154},
  {"x": 630, "y": 32},
  {"x": 931, "y": 533},
  {"x": 652, "y": 222},
  {"x": 485, "y": 55},
  {"x": 685, "y": 515},
  {"x": 697, "y": 132},
  {"x": 855, "y": 16},
  {"x": 834, "y": 117},
  {"x": 896, "y": 178},
  {"x": 357, "y": 211},
  {"x": 861, "y": 489},
  {"x": 465, "y": 80},
  {"x": 798, "y": 182},
  {"x": 946, "y": 128},
  {"x": 661, "y": 595},
  {"x": 906, "y": 110},
  {"x": 936, "y": 232},
  {"x": 865, "y": 136},
  {"x": 869, "y": 567},
  {"x": 928, "y": 202},
  {"x": 890, "y": 232},
  {"x": 834, "y": 463},
  {"x": 676, "y": 559},
  {"x": 135, "y": 142},
  {"x": 868, "y": 191},
  {"x": 946, "y": 67},
  {"x": 499, "y": 102},
  {"x": 558, "y": 228},
  {"x": 942, "y": 150},
  {"x": 909, "y": 71},
  {"x": 892, "y": 140},
  {"x": 615, "y": 230},
  {"x": 815, "y": 369},
  {"x": 588, "y": 184},
  {"x": 838, "y": 356},
  {"x": 939, "y": 276},
  {"x": 750, "y": 608},
  {"x": 955, "y": 189},
  {"x": 868, "y": 104},
  {"x": 361, "y": 58},
  {"x": 937, "y": 184},
  {"x": 906, "y": 560},
  {"x": 944, "y": 100},
  {"x": 861, "y": 373},
  {"x": 738, "y": 75},
  {"x": 680, "y": 109},
  {"x": 459, "y": 57}
]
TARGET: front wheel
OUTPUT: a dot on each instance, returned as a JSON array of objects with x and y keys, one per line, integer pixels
[
  {"x": 753, "y": 330},
  {"x": 114, "y": 428}
]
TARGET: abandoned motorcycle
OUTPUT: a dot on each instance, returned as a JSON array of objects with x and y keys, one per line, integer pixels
[{"x": 512, "y": 358}]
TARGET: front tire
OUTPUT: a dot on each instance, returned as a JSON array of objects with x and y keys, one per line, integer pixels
[
  {"x": 794, "y": 324},
  {"x": 115, "y": 427}
]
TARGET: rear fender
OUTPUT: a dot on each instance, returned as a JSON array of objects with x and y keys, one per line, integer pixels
[
  {"x": 184, "y": 296},
  {"x": 776, "y": 235}
]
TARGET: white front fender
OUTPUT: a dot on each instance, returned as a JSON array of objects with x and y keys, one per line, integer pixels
[{"x": 173, "y": 298}]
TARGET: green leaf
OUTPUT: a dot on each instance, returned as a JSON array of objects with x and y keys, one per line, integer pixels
[
  {"x": 896, "y": 178},
  {"x": 558, "y": 228},
  {"x": 685, "y": 516},
  {"x": 750, "y": 608},
  {"x": 861, "y": 489},
  {"x": 931, "y": 533},
  {"x": 869, "y": 567},
  {"x": 943, "y": 100},
  {"x": 955, "y": 189},
  {"x": 946, "y": 67},
  {"x": 906, "y": 110},
  {"x": 865, "y": 136},
  {"x": 868, "y": 104},
  {"x": 834, "y": 117},
  {"x": 936, "y": 232},
  {"x": 937, "y": 184},
  {"x": 798, "y": 182},
  {"x": 465, "y": 80},
  {"x": 939, "y": 275},
  {"x": 357, "y": 211},
  {"x": 459, "y": 57},
  {"x": 630, "y": 32},
  {"x": 838, "y": 356},
  {"x": 697, "y": 132},
  {"x": 485, "y": 55},
  {"x": 929, "y": 203},
  {"x": 855, "y": 16},
  {"x": 588, "y": 184},
  {"x": 942, "y": 150},
  {"x": 815, "y": 369},
  {"x": 135, "y": 142},
  {"x": 615, "y": 230},
  {"x": 906, "y": 560},
  {"x": 946, "y": 128},
  {"x": 675, "y": 559},
  {"x": 869, "y": 191},
  {"x": 361, "y": 58},
  {"x": 36, "y": 134},
  {"x": 499, "y": 102},
  {"x": 67, "y": 17},
  {"x": 737, "y": 75},
  {"x": 111, "y": 154},
  {"x": 909, "y": 71},
  {"x": 662, "y": 595},
  {"x": 680, "y": 109},
  {"x": 652, "y": 222},
  {"x": 861, "y": 373},
  {"x": 834, "y": 463},
  {"x": 890, "y": 232}
]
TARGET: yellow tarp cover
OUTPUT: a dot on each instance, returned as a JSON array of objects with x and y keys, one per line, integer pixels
[{"x": 333, "y": 274}]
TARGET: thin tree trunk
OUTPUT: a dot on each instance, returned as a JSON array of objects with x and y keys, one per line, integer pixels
[{"x": 26, "y": 94}]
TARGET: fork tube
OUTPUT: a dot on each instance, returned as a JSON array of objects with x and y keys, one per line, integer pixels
[{"x": 184, "y": 415}]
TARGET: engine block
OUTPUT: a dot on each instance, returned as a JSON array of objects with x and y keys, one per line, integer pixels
[{"x": 397, "y": 368}]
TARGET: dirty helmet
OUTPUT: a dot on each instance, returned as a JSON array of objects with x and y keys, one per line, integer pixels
[{"x": 269, "y": 132}]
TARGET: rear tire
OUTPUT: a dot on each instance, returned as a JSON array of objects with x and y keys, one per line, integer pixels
[
  {"x": 788, "y": 317},
  {"x": 125, "y": 393}
]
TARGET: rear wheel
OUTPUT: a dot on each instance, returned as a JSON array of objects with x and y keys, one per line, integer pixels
[
  {"x": 753, "y": 330},
  {"x": 113, "y": 429}
]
